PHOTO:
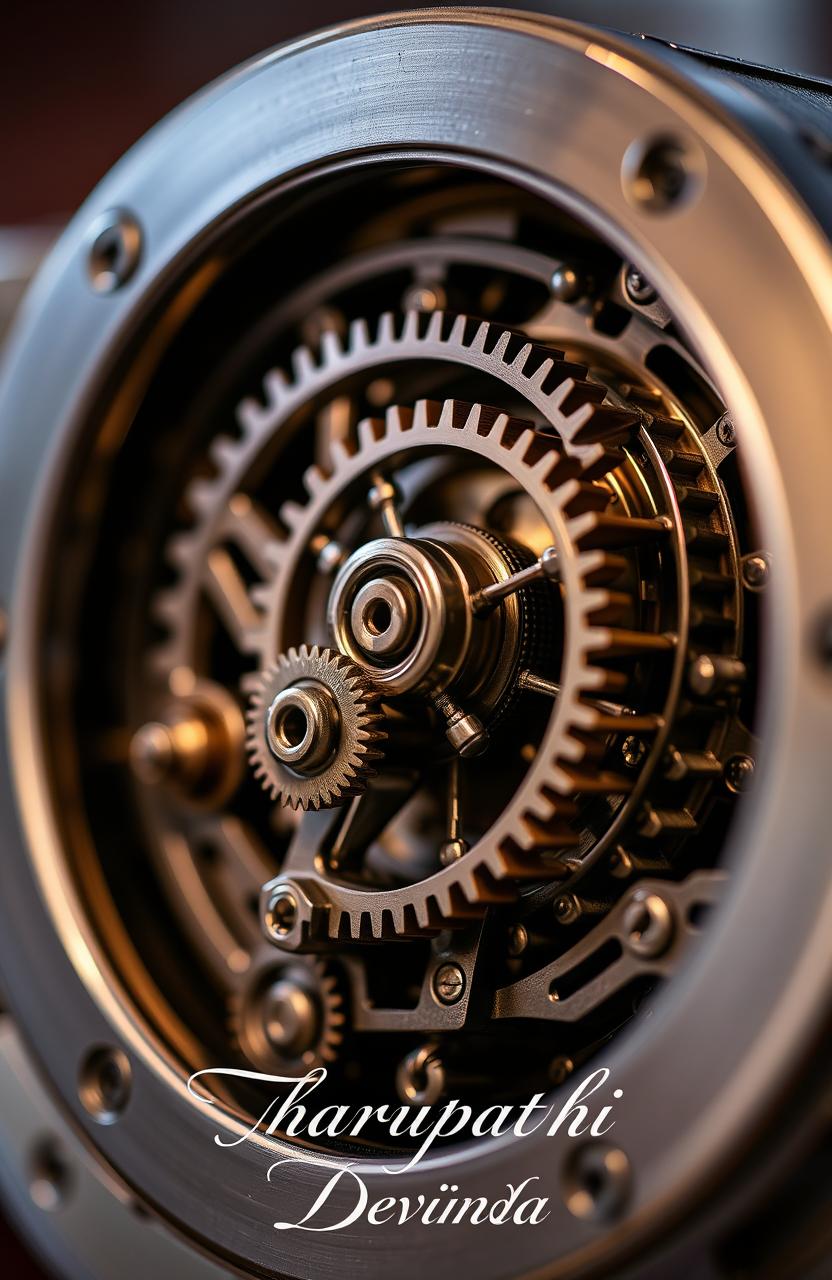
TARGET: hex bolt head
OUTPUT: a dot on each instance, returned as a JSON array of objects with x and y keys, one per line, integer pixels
[
  {"x": 281, "y": 914},
  {"x": 449, "y": 983},
  {"x": 115, "y": 250},
  {"x": 755, "y": 570},
  {"x": 467, "y": 735}
]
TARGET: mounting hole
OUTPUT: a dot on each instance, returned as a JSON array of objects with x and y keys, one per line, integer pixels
[
  {"x": 596, "y": 1182},
  {"x": 114, "y": 251},
  {"x": 104, "y": 1084},
  {"x": 661, "y": 174},
  {"x": 50, "y": 1175},
  {"x": 282, "y": 914},
  {"x": 377, "y": 617},
  {"x": 291, "y": 727}
]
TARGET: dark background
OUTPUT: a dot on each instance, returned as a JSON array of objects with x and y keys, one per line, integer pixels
[{"x": 79, "y": 83}]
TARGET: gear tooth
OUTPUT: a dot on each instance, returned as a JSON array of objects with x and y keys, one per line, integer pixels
[
  {"x": 410, "y": 328},
  {"x": 398, "y": 420},
  {"x": 272, "y": 553},
  {"x": 359, "y": 336},
  {"x": 260, "y": 595},
  {"x": 526, "y": 440},
  {"x": 557, "y": 397},
  {"x": 180, "y": 549},
  {"x": 292, "y": 514},
  {"x": 313, "y": 480},
  {"x": 458, "y": 331},
  {"x": 276, "y": 388},
  {"x": 166, "y": 606},
  {"x": 596, "y": 423},
  {"x": 386, "y": 332},
  {"x": 448, "y": 415},
  {"x": 303, "y": 364},
  {"x": 597, "y": 529},
  {"x": 331, "y": 349},
  {"x": 223, "y": 452},
  {"x": 501, "y": 346},
  {"x": 541, "y": 373},
  {"x": 250, "y": 416},
  {"x": 426, "y": 414},
  {"x": 200, "y": 496},
  {"x": 340, "y": 454},
  {"x": 480, "y": 338},
  {"x": 520, "y": 361},
  {"x": 474, "y": 419},
  {"x": 369, "y": 431},
  {"x": 435, "y": 325}
]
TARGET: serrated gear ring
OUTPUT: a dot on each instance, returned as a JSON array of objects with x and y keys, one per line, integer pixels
[{"x": 299, "y": 759}]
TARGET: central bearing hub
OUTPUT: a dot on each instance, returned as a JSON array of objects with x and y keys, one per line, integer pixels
[
  {"x": 302, "y": 727},
  {"x": 402, "y": 608}
]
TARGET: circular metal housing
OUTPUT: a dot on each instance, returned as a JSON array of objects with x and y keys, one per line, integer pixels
[{"x": 661, "y": 159}]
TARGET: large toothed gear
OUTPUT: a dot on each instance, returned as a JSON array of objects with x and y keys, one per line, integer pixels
[
  {"x": 574, "y": 409},
  {"x": 314, "y": 733},
  {"x": 533, "y": 837}
]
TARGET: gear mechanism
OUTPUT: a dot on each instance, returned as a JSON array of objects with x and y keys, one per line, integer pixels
[{"x": 313, "y": 736}]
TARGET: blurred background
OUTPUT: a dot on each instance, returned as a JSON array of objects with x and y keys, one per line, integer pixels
[{"x": 80, "y": 83}]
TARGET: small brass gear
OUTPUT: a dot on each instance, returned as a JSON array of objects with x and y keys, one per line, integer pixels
[{"x": 314, "y": 732}]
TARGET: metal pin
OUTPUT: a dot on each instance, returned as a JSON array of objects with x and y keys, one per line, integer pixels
[
  {"x": 384, "y": 497},
  {"x": 545, "y": 567}
]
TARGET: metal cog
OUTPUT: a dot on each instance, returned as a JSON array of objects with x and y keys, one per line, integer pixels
[
  {"x": 572, "y": 407},
  {"x": 357, "y": 738},
  {"x": 534, "y": 833},
  {"x": 322, "y": 998}
]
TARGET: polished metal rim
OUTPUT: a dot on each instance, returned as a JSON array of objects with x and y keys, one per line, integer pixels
[{"x": 687, "y": 1113}]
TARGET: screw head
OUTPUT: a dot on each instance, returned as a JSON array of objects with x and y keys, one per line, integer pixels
[
  {"x": 726, "y": 432},
  {"x": 452, "y": 851},
  {"x": 560, "y": 1069},
  {"x": 282, "y": 913},
  {"x": 567, "y": 285},
  {"x": 449, "y": 983},
  {"x": 738, "y": 772},
  {"x": 518, "y": 940},
  {"x": 567, "y": 908},
  {"x": 104, "y": 1083},
  {"x": 648, "y": 924},
  {"x": 115, "y": 250},
  {"x": 638, "y": 288},
  {"x": 632, "y": 751},
  {"x": 755, "y": 570}
]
